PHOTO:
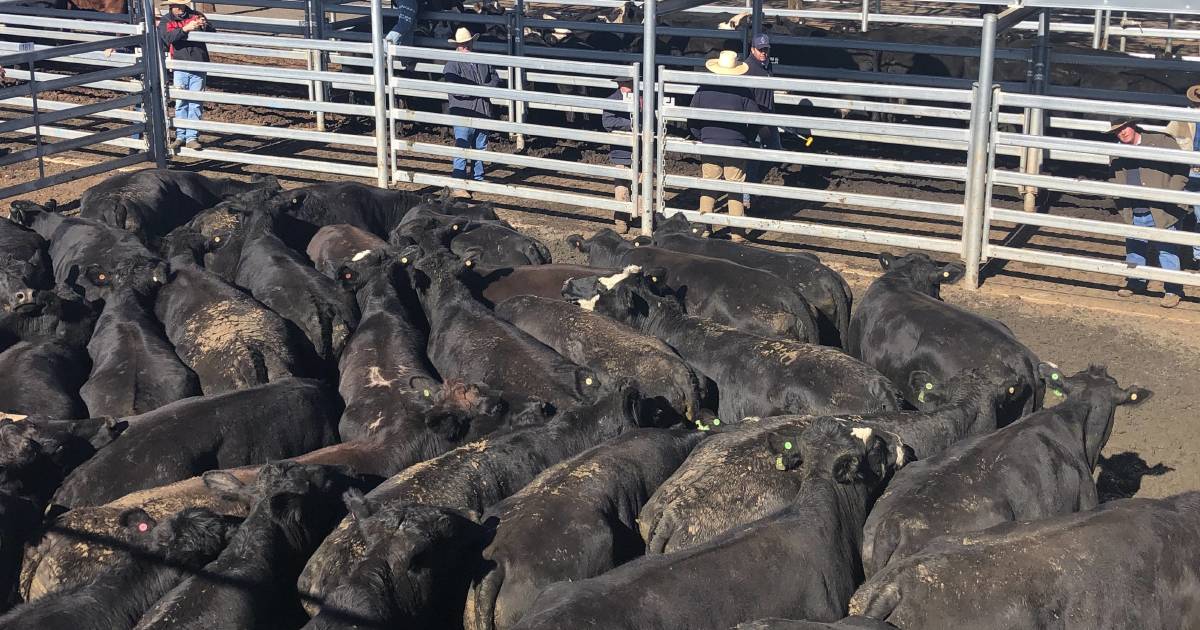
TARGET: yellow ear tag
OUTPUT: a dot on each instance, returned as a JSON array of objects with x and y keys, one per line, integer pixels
[
  {"x": 921, "y": 396},
  {"x": 653, "y": 278},
  {"x": 945, "y": 274},
  {"x": 468, "y": 263},
  {"x": 1133, "y": 396},
  {"x": 404, "y": 261},
  {"x": 928, "y": 385},
  {"x": 216, "y": 239},
  {"x": 779, "y": 463},
  {"x": 587, "y": 381},
  {"x": 1012, "y": 390},
  {"x": 454, "y": 227},
  {"x": 426, "y": 392}
]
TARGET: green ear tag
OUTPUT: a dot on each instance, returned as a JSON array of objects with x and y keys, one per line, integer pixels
[
  {"x": 1058, "y": 392},
  {"x": 701, "y": 426},
  {"x": 716, "y": 422},
  {"x": 787, "y": 446},
  {"x": 1054, "y": 376},
  {"x": 779, "y": 463},
  {"x": 921, "y": 397}
]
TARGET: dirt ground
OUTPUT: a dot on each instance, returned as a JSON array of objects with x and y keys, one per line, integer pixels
[{"x": 1070, "y": 318}]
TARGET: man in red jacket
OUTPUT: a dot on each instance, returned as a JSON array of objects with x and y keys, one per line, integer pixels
[{"x": 181, "y": 20}]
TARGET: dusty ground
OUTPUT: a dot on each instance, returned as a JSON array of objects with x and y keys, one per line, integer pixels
[{"x": 1070, "y": 318}]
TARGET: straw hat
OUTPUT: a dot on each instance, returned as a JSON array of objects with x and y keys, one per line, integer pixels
[
  {"x": 165, "y": 4},
  {"x": 1117, "y": 123},
  {"x": 1193, "y": 94},
  {"x": 462, "y": 36},
  {"x": 727, "y": 63}
]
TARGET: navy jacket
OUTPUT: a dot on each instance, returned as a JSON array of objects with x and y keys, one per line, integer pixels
[
  {"x": 765, "y": 99},
  {"x": 729, "y": 98},
  {"x": 471, "y": 74},
  {"x": 618, "y": 121},
  {"x": 176, "y": 39}
]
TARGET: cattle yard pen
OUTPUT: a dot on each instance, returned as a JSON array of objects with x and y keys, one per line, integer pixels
[{"x": 299, "y": 68}]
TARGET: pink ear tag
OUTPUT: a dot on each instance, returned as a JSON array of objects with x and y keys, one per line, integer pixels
[{"x": 142, "y": 527}]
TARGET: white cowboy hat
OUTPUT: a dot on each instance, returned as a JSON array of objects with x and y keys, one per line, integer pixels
[
  {"x": 1193, "y": 94},
  {"x": 179, "y": 3},
  {"x": 462, "y": 36},
  {"x": 727, "y": 63}
]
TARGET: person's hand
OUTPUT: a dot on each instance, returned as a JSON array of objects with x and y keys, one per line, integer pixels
[{"x": 393, "y": 37}]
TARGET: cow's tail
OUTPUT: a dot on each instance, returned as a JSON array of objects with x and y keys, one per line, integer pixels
[
  {"x": 481, "y": 611},
  {"x": 843, "y": 300},
  {"x": 877, "y": 603}
]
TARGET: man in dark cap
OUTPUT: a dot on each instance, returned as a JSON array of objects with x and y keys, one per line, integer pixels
[
  {"x": 1150, "y": 174},
  {"x": 768, "y": 135}
]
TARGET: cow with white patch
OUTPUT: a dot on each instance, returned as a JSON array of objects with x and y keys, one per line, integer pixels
[
  {"x": 1037, "y": 467},
  {"x": 334, "y": 245},
  {"x": 494, "y": 284},
  {"x": 386, "y": 378},
  {"x": 806, "y": 553},
  {"x": 747, "y": 299},
  {"x": 612, "y": 349},
  {"x": 754, "y": 376}
]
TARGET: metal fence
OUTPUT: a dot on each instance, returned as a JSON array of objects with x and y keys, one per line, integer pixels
[{"x": 129, "y": 120}]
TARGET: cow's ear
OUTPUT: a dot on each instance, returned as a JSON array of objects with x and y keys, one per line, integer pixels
[
  {"x": 97, "y": 275},
  {"x": 136, "y": 521},
  {"x": 409, "y": 254},
  {"x": 1134, "y": 395},
  {"x": 641, "y": 240},
  {"x": 576, "y": 241},
  {"x": 921, "y": 383},
  {"x": 34, "y": 259},
  {"x": 347, "y": 277},
  {"x": 356, "y": 504},
  {"x": 162, "y": 272},
  {"x": 1055, "y": 380},
  {"x": 785, "y": 449},
  {"x": 226, "y": 485},
  {"x": 886, "y": 260},
  {"x": 846, "y": 469},
  {"x": 949, "y": 274},
  {"x": 586, "y": 380},
  {"x": 472, "y": 257},
  {"x": 656, "y": 277}
]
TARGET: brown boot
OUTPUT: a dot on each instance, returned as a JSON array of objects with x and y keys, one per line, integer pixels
[{"x": 1170, "y": 300}]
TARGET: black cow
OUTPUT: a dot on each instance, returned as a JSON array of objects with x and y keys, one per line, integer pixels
[
  {"x": 76, "y": 242},
  {"x": 1131, "y": 563},
  {"x": 612, "y": 349},
  {"x": 24, "y": 265},
  {"x": 901, "y": 326},
  {"x": 60, "y": 315},
  {"x": 375, "y": 210},
  {"x": 468, "y": 342},
  {"x": 730, "y": 479},
  {"x": 824, "y": 288},
  {"x": 280, "y": 278},
  {"x": 755, "y": 376},
  {"x": 417, "y": 563},
  {"x": 748, "y": 299},
  {"x": 117, "y": 597},
  {"x": 849, "y": 623},
  {"x": 496, "y": 284},
  {"x": 385, "y": 375},
  {"x": 44, "y": 378},
  {"x": 806, "y": 554},
  {"x": 500, "y": 246},
  {"x": 574, "y": 521},
  {"x": 252, "y": 583},
  {"x": 1037, "y": 467},
  {"x": 194, "y": 435},
  {"x": 134, "y": 367},
  {"x": 477, "y": 475},
  {"x": 334, "y": 245},
  {"x": 152, "y": 202},
  {"x": 231, "y": 340}
]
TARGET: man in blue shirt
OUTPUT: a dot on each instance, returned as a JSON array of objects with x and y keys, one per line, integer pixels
[{"x": 469, "y": 73}]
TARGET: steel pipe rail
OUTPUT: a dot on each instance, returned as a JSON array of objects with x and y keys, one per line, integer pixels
[
  {"x": 70, "y": 24},
  {"x": 1107, "y": 149},
  {"x": 1085, "y": 106},
  {"x": 285, "y": 133},
  {"x": 1091, "y": 226},
  {"x": 546, "y": 65},
  {"x": 422, "y": 85},
  {"x": 504, "y": 126},
  {"x": 508, "y": 190},
  {"x": 49, "y": 85},
  {"x": 270, "y": 74},
  {"x": 296, "y": 43},
  {"x": 818, "y": 87},
  {"x": 812, "y": 122},
  {"x": 73, "y": 175},
  {"x": 72, "y": 144},
  {"x": 270, "y": 101},
  {"x": 1087, "y": 187},
  {"x": 44, "y": 53},
  {"x": 513, "y": 159},
  {"x": 1095, "y": 265},
  {"x": 275, "y": 161},
  {"x": 54, "y": 106},
  {"x": 59, "y": 114}
]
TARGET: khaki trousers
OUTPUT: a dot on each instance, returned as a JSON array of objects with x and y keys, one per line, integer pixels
[{"x": 731, "y": 170}]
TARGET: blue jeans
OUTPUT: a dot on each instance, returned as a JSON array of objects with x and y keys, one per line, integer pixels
[
  {"x": 1138, "y": 250},
  {"x": 468, "y": 138},
  {"x": 188, "y": 110},
  {"x": 402, "y": 32}
]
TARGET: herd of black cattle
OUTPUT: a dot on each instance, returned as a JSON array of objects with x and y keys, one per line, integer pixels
[{"x": 227, "y": 405}]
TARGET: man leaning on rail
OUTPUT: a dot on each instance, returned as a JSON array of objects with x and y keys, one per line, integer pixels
[
  {"x": 768, "y": 135},
  {"x": 469, "y": 73},
  {"x": 182, "y": 19},
  {"x": 620, "y": 155},
  {"x": 731, "y": 134},
  {"x": 1150, "y": 174}
]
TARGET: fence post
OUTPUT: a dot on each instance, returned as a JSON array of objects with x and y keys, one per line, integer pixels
[
  {"x": 153, "y": 104},
  {"x": 1037, "y": 116},
  {"x": 378, "y": 57},
  {"x": 866, "y": 15},
  {"x": 315, "y": 12},
  {"x": 516, "y": 76},
  {"x": 649, "y": 46},
  {"x": 977, "y": 153},
  {"x": 1097, "y": 28}
]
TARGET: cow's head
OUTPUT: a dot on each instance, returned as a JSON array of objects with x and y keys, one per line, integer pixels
[
  {"x": 36, "y": 452},
  {"x": 140, "y": 274},
  {"x": 856, "y": 457},
  {"x": 19, "y": 280},
  {"x": 193, "y": 537},
  {"x": 678, "y": 224},
  {"x": 1094, "y": 383},
  {"x": 920, "y": 272},
  {"x": 363, "y": 267},
  {"x": 629, "y": 295},
  {"x": 604, "y": 249},
  {"x": 299, "y": 498},
  {"x": 25, "y": 212},
  {"x": 783, "y": 446},
  {"x": 185, "y": 245}
]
